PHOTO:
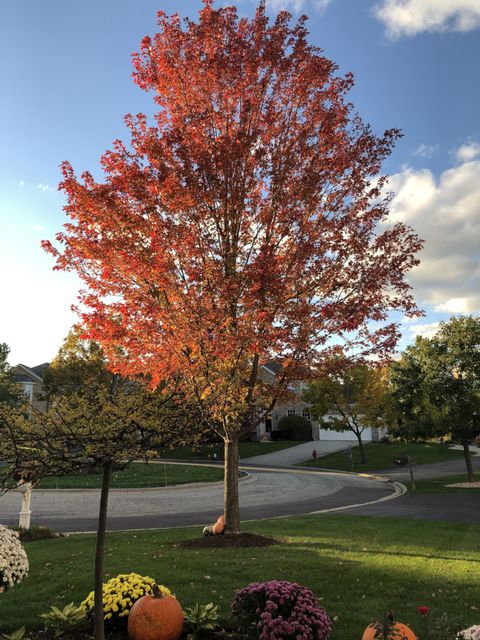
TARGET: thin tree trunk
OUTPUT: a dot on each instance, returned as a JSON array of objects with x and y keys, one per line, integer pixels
[
  {"x": 230, "y": 494},
  {"x": 468, "y": 460},
  {"x": 98, "y": 625},
  {"x": 363, "y": 458}
]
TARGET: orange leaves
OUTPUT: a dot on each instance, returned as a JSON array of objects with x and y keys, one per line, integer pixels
[{"x": 240, "y": 225}]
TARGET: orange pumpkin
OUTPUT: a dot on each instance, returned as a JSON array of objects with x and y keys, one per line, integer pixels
[
  {"x": 400, "y": 631},
  {"x": 219, "y": 526},
  {"x": 154, "y": 617}
]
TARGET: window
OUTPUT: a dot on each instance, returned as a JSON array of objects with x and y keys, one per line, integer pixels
[
  {"x": 290, "y": 412},
  {"x": 306, "y": 414}
]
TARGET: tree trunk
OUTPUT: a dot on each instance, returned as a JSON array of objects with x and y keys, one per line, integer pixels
[
  {"x": 230, "y": 494},
  {"x": 361, "y": 448},
  {"x": 98, "y": 625},
  {"x": 468, "y": 460}
]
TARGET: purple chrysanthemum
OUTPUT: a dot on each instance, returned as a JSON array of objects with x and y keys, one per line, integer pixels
[{"x": 280, "y": 610}]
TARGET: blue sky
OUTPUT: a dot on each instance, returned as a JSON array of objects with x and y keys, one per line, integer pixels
[{"x": 67, "y": 84}]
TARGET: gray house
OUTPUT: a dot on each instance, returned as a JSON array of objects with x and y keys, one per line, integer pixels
[{"x": 31, "y": 379}]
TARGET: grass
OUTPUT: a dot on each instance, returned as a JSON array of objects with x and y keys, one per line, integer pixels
[
  {"x": 380, "y": 456},
  {"x": 358, "y": 566},
  {"x": 246, "y": 450},
  {"x": 438, "y": 485},
  {"x": 138, "y": 475}
]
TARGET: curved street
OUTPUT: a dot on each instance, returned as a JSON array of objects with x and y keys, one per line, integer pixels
[
  {"x": 264, "y": 493},
  {"x": 272, "y": 488}
]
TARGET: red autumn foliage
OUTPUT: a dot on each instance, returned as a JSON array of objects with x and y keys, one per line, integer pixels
[{"x": 245, "y": 224}]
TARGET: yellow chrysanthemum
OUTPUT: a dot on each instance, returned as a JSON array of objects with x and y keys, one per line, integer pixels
[{"x": 121, "y": 593}]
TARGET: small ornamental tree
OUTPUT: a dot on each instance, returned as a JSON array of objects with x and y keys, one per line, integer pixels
[
  {"x": 97, "y": 420},
  {"x": 437, "y": 384},
  {"x": 243, "y": 224},
  {"x": 358, "y": 396}
]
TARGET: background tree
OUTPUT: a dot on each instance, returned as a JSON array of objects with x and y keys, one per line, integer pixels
[
  {"x": 357, "y": 396},
  {"x": 412, "y": 422},
  {"x": 97, "y": 420},
  {"x": 243, "y": 225},
  {"x": 10, "y": 391},
  {"x": 437, "y": 384}
]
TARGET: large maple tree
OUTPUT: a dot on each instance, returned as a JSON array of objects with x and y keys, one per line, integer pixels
[{"x": 244, "y": 224}]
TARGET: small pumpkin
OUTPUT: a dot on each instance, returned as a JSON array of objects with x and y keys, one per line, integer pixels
[
  {"x": 154, "y": 617},
  {"x": 219, "y": 526},
  {"x": 397, "y": 630}
]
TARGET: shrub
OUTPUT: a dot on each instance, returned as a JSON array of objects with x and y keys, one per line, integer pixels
[
  {"x": 295, "y": 428},
  {"x": 13, "y": 559},
  {"x": 67, "y": 619},
  {"x": 120, "y": 594},
  {"x": 200, "y": 618},
  {"x": 280, "y": 610},
  {"x": 40, "y": 532}
]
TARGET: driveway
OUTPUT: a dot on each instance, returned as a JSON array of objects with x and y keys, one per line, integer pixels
[{"x": 300, "y": 453}]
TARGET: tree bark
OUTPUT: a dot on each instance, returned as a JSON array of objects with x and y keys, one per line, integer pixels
[
  {"x": 468, "y": 460},
  {"x": 230, "y": 494},
  {"x": 361, "y": 448},
  {"x": 98, "y": 623}
]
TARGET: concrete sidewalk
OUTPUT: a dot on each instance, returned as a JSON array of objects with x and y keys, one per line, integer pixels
[{"x": 300, "y": 453}]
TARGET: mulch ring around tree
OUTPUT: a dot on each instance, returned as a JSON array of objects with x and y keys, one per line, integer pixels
[{"x": 229, "y": 541}]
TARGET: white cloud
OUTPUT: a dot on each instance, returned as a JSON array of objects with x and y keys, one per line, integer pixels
[
  {"x": 321, "y": 5},
  {"x": 410, "y": 17},
  {"x": 40, "y": 316},
  {"x": 424, "y": 330},
  {"x": 426, "y": 150},
  {"x": 298, "y": 5},
  {"x": 22, "y": 183},
  {"x": 468, "y": 152},
  {"x": 454, "y": 305},
  {"x": 445, "y": 212},
  {"x": 43, "y": 187}
]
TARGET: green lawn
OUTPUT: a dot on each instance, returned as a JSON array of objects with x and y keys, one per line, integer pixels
[
  {"x": 438, "y": 485},
  {"x": 246, "y": 450},
  {"x": 358, "y": 566},
  {"x": 139, "y": 475},
  {"x": 380, "y": 456}
]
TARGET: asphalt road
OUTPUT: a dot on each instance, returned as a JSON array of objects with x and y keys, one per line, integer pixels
[
  {"x": 450, "y": 507},
  {"x": 446, "y": 507},
  {"x": 263, "y": 494}
]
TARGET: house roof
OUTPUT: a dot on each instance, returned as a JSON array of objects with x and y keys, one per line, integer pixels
[
  {"x": 26, "y": 374},
  {"x": 40, "y": 369},
  {"x": 273, "y": 366}
]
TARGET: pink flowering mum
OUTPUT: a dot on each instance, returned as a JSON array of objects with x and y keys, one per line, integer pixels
[{"x": 280, "y": 610}]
